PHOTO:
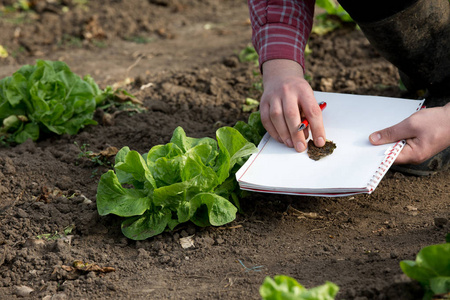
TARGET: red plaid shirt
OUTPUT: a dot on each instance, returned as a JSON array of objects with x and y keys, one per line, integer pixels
[{"x": 281, "y": 28}]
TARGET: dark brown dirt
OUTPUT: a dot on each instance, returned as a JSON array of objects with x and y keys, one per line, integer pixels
[{"x": 185, "y": 52}]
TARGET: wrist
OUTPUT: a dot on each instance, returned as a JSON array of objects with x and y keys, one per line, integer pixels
[{"x": 277, "y": 68}]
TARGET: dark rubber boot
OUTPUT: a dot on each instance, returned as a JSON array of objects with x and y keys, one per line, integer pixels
[{"x": 417, "y": 41}]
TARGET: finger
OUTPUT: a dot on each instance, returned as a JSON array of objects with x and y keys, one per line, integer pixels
[
  {"x": 313, "y": 113},
  {"x": 277, "y": 117},
  {"x": 267, "y": 122},
  {"x": 292, "y": 119},
  {"x": 405, "y": 155},
  {"x": 392, "y": 134}
]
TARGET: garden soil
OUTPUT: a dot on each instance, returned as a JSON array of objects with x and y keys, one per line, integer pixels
[{"x": 180, "y": 58}]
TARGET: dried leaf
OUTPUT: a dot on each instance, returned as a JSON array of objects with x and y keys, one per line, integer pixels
[
  {"x": 80, "y": 267},
  {"x": 108, "y": 152},
  {"x": 48, "y": 194}
]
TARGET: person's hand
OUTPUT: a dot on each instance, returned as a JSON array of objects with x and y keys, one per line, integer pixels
[
  {"x": 427, "y": 132},
  {"x": 286, "y": 99}
]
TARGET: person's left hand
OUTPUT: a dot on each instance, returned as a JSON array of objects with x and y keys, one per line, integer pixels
[{"x": 427, "y": 132}]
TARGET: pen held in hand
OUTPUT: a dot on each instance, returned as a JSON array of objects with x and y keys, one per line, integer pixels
[{"x": 305, "y": 122}]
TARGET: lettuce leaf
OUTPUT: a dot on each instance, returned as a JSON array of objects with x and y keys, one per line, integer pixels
[
  {"x": 51, "y": 97},
  {"x": 254, "y": 130},
  {"x": 283, "y": 287},
  {"x": 431, "y": 268},
  {"x": 187, "y": 179}
]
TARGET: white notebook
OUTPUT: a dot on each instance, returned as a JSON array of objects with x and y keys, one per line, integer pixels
[{"x": 355, "y": 166}]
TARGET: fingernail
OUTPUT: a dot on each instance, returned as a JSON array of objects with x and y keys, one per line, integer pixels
[
  {"x": 300, "y": 147},
  {"x": 280, "y": 140},
  {"x": 289, "y": 143},
  {"x": 320, "y": 142},
  {"x": 375, "y": 137}
]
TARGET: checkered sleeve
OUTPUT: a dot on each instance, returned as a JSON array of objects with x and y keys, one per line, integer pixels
[{"x": 281, "y": 28}]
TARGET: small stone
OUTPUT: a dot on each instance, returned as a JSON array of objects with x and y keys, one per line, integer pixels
[
  {"x": 326, "y": 84},
  {"x": 23, "y": 291},
  {"x": 350, "y": 84},
  {"x": 411, "y": 208}
]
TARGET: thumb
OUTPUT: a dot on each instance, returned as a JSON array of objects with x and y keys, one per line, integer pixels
[{"x": 388, "y": 135}]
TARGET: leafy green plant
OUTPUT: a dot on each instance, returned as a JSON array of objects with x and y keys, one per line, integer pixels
[
  {"x": 254, "y": 130},
  {"x": 95, "y": 158},
  {"x": 250, "y": 105},
  {"x": 49, "y": 97},
  {"x": 283, "y": 287},
  {"x": 249, "y": 54},
  {"x": 46, "y": 97},
  {"x": 187, "y": 179},
  {"x": 55, "y": 236},
  {"x": 431, "y": 268}
]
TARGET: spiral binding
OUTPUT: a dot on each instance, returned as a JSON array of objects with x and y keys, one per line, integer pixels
[{"x": 385, "y": 165}]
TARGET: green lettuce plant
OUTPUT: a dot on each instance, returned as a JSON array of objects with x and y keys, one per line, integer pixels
[
  {"x": 283, "y": 287},
  {"x": 187, "y": 179},
  {"x": 46, "y": 97},
  {"x": 431, "y": 268},
  {"x": 254, "y": 130}
]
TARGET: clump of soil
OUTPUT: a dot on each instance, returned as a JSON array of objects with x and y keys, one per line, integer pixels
[{"x": 317, "y": 153}]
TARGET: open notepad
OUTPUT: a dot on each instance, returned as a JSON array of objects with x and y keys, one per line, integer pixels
[{"x": 355, "y": 166}]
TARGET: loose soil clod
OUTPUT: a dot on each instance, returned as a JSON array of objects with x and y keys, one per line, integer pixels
[{"x": 317, "y": 153}]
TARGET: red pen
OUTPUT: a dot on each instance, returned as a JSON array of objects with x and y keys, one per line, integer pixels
[{"x": 305, "y": 122}]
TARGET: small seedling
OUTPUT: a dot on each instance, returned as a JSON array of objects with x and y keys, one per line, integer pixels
[
  {"x": 96, "y": 158},
  {"x": 250, "y": 105},
  {"x": 55, "y": 236},
  {"x": 249, "y": 54}
]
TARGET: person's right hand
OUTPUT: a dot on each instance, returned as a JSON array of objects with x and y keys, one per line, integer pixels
[{"x": 288, "y": 98}]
